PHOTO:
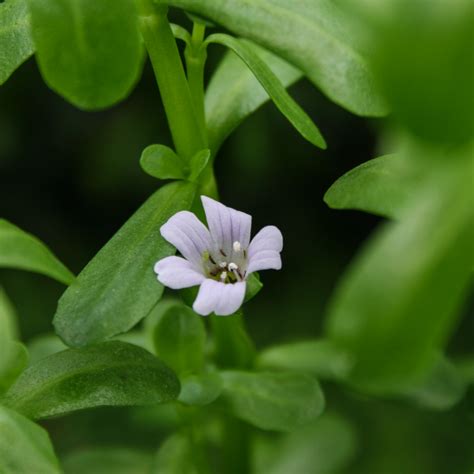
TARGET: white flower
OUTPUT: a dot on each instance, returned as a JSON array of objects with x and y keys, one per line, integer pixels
[{"x": 219, "y": 259}]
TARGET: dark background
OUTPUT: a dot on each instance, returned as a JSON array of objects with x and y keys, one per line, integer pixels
[{"x": 72, "y": 178}]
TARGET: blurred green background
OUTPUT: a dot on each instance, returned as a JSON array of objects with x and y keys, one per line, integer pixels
[{"x": 72, "y": 178}]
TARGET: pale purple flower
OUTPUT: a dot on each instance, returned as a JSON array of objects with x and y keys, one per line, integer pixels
[{"x": 219, "y": 259}]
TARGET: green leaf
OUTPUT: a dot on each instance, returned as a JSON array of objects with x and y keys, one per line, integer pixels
[
  {"x": 234, "y": 92},
  {"x": 320, "y": 358},
  {"x": 88, "y": 52},
  {"x": 399, "y": 300},
  {"x": 197, "y": 164},
  {"x": 381, "y": 186},
  {"x": 43, "y": 346},
  {"x": 13, "y": 360},
  {"x": 109, "y": 374},
  {"x": 323, "y": 447},
  {"x": 200, "y": 389},
  {"x": 24, "y": 446},
  {"x": 21, "y": 250},
  {"x": 107, "y": 460},
  {"x": 179, "y": 336},
  {"x": 175, "y": 456},
  {"x": 118, "y": 287},
  {"x": 16, "y": 45},
  {"x": 8, "y": 319},
  {"x": 254, "y": 285},
  {"x": 313, "y": 36},
  {"x": 162, "y": 162},
  {"x": 275, "y": 89},
  {"x": 273, "y": 401}
]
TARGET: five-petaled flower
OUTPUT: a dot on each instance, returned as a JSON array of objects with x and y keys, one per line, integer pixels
[{"x": 219, "y": 259}]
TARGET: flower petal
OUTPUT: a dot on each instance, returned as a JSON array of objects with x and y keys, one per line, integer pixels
[
  {"x": 226, "y": 225},
  {"x": 269, "y": 238},
  {"x": 176, "y": 273},
  {"x": 220, "y": 298},
  {"x": 264, "y": 260},
  {"x": 188, "y": 234}
]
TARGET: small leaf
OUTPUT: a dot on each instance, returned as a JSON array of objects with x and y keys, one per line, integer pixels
[
  {"x": 200, "y": 389},
  {"x": 16, "y": 45},
  {"x": 175, "y": 456},
  {"x": 179, "y": 336},
  {"x": 43, "y": 346},
  {"x": 8, "y": 319},
  {"x": 24, "y": 446},
  {"x": 13, "y": 360},
  {"x": 273, "y": 401},
  {"x": 381, "y": 186},
  {"x": 109, "y": 374},
  {"x": 275, "y": 89},
  {"x": 254, "y": 285},
  {"x": 400, "y": 299},
  {"x": 107, "y": 460},
  {"x": 21, "y": 250},
  {"x": 234, "y": 93},
  {"x": 162, "y": 162},
  {"x": 89, "y": 53},
  {"x": 315, "y": 36},
  {"x": 118, "y": 287},
  {"x": 198, "y": 163},
  {"x": 320, "y": 358}
]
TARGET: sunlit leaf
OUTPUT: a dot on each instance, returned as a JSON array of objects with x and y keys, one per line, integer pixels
[
  {"x": 16, "y": 45},
  {"x": 234, "y": 92},
  {"x": 314, "y": 36},
  {"x": 279, "y": 401},
  {"x": 399, "y": 300},
  {"x": 87, "y": 51},
  {"x": 21, "y": 250},
  {"x": 162, "y": 162},
  {"x": 275, "y": 89},
  {"x": 24, "y": 446},
  {"x": 109, "y": 374},
  {"x": 118, "y": 287},
  {"x": 380, "y": 186}
]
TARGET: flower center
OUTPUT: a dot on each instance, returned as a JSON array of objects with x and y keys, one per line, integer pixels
[{"x": 226, "y": 266}]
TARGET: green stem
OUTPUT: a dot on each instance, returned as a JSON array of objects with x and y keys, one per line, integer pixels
[{"x": 185, "y": 129}]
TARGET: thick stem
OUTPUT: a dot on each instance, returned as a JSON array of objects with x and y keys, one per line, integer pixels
[{"x": 185, "y": 129}]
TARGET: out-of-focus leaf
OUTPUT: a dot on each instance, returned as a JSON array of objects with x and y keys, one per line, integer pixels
[
  {"x": 323, "y": 447},
  {"x": 275, "y": 89},
  {"x": 21, "y": 250},
  {"x": 24, "y": 446},
  {"x": 200, "y": 389},
  {"x": 14, "y": 360},
  {"x": 16, "y": 45},
  {"x": 424, "y": 63},
  {"x": 89, "y": 53},
  {"x": 107, "y": 460},
  {"x": 109, "y": 374},
  {"x": 175, "y": 456},
  {"x": 320, "y": 358},
  {"x": 8, "y": 324},
  {"x": 399, "y": 300},
  {"x": 314, "y": 36},
  {"x": 43, "y": 346},
  {"x": 232, "y": 347},
  {"x": 443, "y": 387},
  {"x": 380, "y": 186},
  {"x": 162, "y": 162},
  {"x": 118, "y": 287},
  {"x": 234, "y": 92},
  {"x": 279, "y": 401},
  {"x": 179, "y": 336}
]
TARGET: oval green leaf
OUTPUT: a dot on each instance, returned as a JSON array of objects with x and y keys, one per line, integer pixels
[
  {"x": 234, "y": 93},
  {"x": 16, "y": 45},
  {"x": 314, "y": 36},
  {"x": 275, "y": 89},
  {"x": 162, "y": 162},
  {"x": 25, "y": 447},
  {"x": 200, "y": 389},
  {"x": 279, "y": 401},
  {"x": 118, "y": 287},
  {"x": 109, "y": 374},
  {"x": 89, "y": 52},
  {"x": 21, "y": 250},
  {"x": 382, "y": 186}
]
